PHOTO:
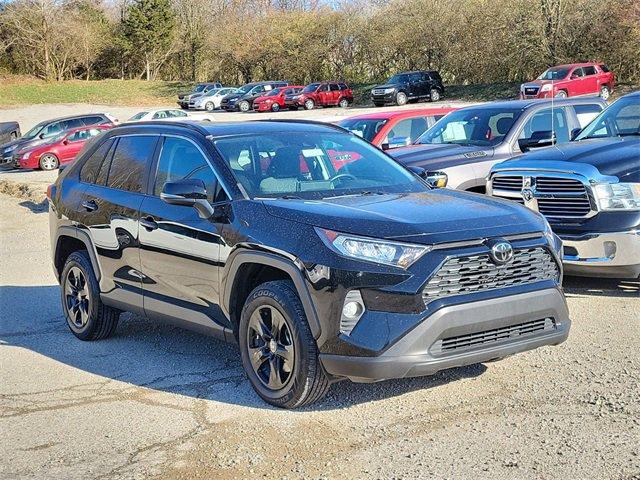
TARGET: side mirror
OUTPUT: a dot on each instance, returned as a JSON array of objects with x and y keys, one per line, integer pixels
[
  {"x": 385, "y": 147},
  {"x": 65, "y": 141},
  {"x": 537, "y": 139},
  {"x": 41, "y": 136},
  {"x": 190, "y": 192},
  {"x": 575, "y": 132},
  {"x": 419, "y": 171}
]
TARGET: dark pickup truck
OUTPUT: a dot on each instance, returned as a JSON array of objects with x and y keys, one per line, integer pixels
[
  {"x": 588, "y": 189},
  {"x": 9, "y": 131}
]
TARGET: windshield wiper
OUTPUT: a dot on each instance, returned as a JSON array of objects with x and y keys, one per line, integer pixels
[{"x": 357, "y": 194}]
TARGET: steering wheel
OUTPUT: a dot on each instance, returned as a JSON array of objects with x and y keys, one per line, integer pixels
[{"x": 342, "y": 175}]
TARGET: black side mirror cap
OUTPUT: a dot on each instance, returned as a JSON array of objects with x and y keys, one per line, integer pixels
[
  {"x": 575, "y": 132},
  {"x": 419, "y": 171},
  {"x": 537, "y": 139},
  {"x": 385, "y": 146},
  {"x": 188, "y": 192}
]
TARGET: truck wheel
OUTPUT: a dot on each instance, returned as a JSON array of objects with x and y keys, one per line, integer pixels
[
  {"x": 401, "y": 98},
  {"x": 561, "y": 94},
  {"x": 49, "y": 161},
  {"x": 343, "y": 103},
  {"x": 244, "y": 106},
  {"x": 605, "y": 93},
  {"x": 87, "y": 317},
  {"x": 275, "y": 107},
  {"x": 209, "y": 106},
  {"x": 279, "y": 353},
  {"x": 435, "y": 95},
  {"x": 309, "y": 104}
]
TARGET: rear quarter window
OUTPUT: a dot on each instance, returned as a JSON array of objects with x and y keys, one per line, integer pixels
[
  {"x": 91, "y": 167},
  {"x": 129, "y": 162}
]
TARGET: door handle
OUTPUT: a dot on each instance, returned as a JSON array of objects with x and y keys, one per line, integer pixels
[
  {"x": 90, "y": 205},
  {"x": 149, "y": 223}
]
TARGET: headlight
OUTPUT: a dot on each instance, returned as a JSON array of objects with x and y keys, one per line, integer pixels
[
  {"x": 389, "y": 90},
  {"x": 618, "y": 196},
  {"x": 437, "y": 179},
  {"x": 397, "y": 254},
  {"x": 546, "y": 87},
  {"x": 26, "y": 156}
]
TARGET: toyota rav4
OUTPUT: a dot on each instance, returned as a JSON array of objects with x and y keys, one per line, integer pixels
[{"x": 248, "y": 232}]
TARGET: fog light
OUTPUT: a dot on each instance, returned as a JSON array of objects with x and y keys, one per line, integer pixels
[{"x": 352, "y": 310}]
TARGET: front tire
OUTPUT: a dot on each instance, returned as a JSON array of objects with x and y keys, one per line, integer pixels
[
  {"x": 275, "y": 107},
  {"x": 605, "y": 93},
  {"x": 49, "y": 161},
  {"x": 401, "y": 99},
  {"x": 209, "y": 106},
  {"x": 279, "y": 353},
  {"x": 561, "y": 94},
  {"x": 435, "y": 95},
  {"x": 244, "y": 106},
  {"x": 87, "y": 317},
  {"x": 309, "y": 104}
]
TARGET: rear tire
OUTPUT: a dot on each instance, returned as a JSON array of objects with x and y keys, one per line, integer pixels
[
  {"x": 279, "y": 353},
  {"x": 401, "y": 99},
  {"x": 343, "y": 103},
  {"x": 435, "y": 95},
  {"x": 605, "y": 93},
  {"x": 87, "y": 317},
  {"x": 49, "y": 161}
]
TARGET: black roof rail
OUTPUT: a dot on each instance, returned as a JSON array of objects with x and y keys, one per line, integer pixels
[
  {"x": 191, "y": 124},
  {"x": 301, "y": 121}
]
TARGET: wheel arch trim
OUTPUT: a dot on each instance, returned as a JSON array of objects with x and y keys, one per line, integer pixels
[{"x": 73, "y": 232}]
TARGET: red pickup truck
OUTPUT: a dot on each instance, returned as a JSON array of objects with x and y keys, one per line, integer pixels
[{"x": 571, "y": 80}]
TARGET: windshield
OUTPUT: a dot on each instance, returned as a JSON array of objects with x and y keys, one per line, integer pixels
[
  {"x": 554, "y": 73},
  {"x": 273, "y": 92},
  {"x": 138, "y": 116},
  {"x": 366, "y": 129},
  {"x": 245, "y": 88},
  {"x": 482, "y": 127},
  {"x": 622, "y": 118},
  {"x": 200, "y": 88},
  {"x": 34, "y": 131},
  {"x": 400, "y": 78},
  {"x": 313, "y": 165},
  {"x": 310, "y": 88},
  {"x": 212, "y": 92}
]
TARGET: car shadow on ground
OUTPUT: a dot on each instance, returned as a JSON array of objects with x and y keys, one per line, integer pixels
[
  {"x": 166, "y": 358},
  {"x": 608, "y": 287},
  {"x": 36, "y": 207}
]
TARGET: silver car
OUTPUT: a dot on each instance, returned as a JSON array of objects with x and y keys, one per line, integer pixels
[{"x": 210, "y": 100}]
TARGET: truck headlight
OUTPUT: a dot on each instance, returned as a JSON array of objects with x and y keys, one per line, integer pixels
[
  {"x": 389, "y": 90},
  {"x": 396, "y": 254},
  {"x": 618, "y": 196},
  {"x": 547, "y": 87}
]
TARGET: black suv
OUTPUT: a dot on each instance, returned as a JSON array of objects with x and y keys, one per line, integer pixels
[
  {"x": 45, "y": 131},
  {"x": 316, "y": 252},
  {"x": 409, "y": 86},
  {"x": 242, "y": 100},
  {"x": 589, "y": 189}
]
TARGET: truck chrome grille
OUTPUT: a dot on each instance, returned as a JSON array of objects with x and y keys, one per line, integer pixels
[
  {"x": 488, "y": 337},
  {"x": 561, "y": 197},
  {"x": 476, "y": 273}
]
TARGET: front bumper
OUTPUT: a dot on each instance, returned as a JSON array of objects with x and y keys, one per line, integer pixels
[
  {"x": 615, "y": 254},
  {"x": 385, "y": 98},
  {"x": 479, "y": 332}
]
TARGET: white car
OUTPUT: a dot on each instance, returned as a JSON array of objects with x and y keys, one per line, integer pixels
[
  {"x": 211, "y": 100},
  {"x": 172, "y": 114}
]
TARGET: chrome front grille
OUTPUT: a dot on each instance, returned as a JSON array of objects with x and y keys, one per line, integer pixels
[
  {"x": 476, "y": 273},
  {"x": 552, "y": 196},
  {"x": 489, "y": 337}
]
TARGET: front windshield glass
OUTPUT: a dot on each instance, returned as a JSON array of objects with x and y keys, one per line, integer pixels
[
  {"x": 621, "y": 119},
  {"x": 366, "y": 129},
  {"x": 481, "y": 127},
  {"x": 138, "y": 116},
  {"x": 313, "y": 165},
  {"x": 400, "y": 78},
  {"x": 200, "y": 88},
  {"x": 212, "y": 92},
  {"x": 274, "y": 92},
  {"x": 245, "y": 88},
  {"x": 34, "y": 131},
  {"x": 310, "y": 88},
  {"x": 554, "y": 73}
]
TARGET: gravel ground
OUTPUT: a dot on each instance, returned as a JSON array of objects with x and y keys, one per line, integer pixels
[{"x": 157, "y": 401}]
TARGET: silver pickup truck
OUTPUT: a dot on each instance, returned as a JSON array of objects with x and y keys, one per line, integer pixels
[{"x": 460, "y": 149}]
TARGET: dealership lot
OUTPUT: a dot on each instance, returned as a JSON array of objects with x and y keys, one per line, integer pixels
[{"x": 156, "y": 400}]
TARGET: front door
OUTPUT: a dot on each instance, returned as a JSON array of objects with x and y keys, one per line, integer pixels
[{"x": 179, "y": 251}]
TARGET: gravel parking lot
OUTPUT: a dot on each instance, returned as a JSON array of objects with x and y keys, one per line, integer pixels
[{"x": 157, "y": 401}]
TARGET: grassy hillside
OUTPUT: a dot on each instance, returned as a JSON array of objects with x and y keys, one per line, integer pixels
[{"x": 16, "y": 91}]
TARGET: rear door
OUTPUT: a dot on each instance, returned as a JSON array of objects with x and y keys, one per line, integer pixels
[
  {"x": 323, "y": 94},
  {"x": 590, "y": 80},
  {"x": 116, "y": 176},
  {"x": 179, "y": 251},
  {"x": 334, "y": 93}
]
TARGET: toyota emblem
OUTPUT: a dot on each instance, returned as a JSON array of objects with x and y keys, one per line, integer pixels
[{"x": 501, "y": 252}]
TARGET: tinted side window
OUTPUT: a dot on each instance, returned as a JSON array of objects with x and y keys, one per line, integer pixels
[
  {"x": 92, "y": 120},
  {"x": 323, "y": 88},
  {"x": 51, "y": 130},
  {"x": 182, "y": 159},
  {"x": 334, "y": 87},
  {"x": 415, "y": 77},
  {"x": 604, "y": 68},
  {"x": 90, "y": 169},
  {"x": 343, "y": 86},
  {"x": 130, "y": 162},
  {"x": 72, "y": 123},
  {"x": 590, "y": 70},
  {"x": 578, "y": 72}
]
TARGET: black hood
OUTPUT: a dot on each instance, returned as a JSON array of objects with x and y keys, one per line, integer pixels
[
  {"x": 21, "y": 143},
  {"x": 437, "y": 216},
  {"x": 616, "y": 156},
  {"x": 435, "y": 156},
  {"x": 386, "y": 85},
  {"x": 233, "y": 96}
]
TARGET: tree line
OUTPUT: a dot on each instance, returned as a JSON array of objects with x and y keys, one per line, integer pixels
[{"x": 358, "y": 41}]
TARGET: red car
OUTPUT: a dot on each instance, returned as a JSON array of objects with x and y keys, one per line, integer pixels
[
  {"x": 571, "y": 81},
  {"x": 59, "y": 150},
  {"x": 395, "y": 128},
  {"x": 274, "y": 100},
  {"x": 321, "y": 94}
]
